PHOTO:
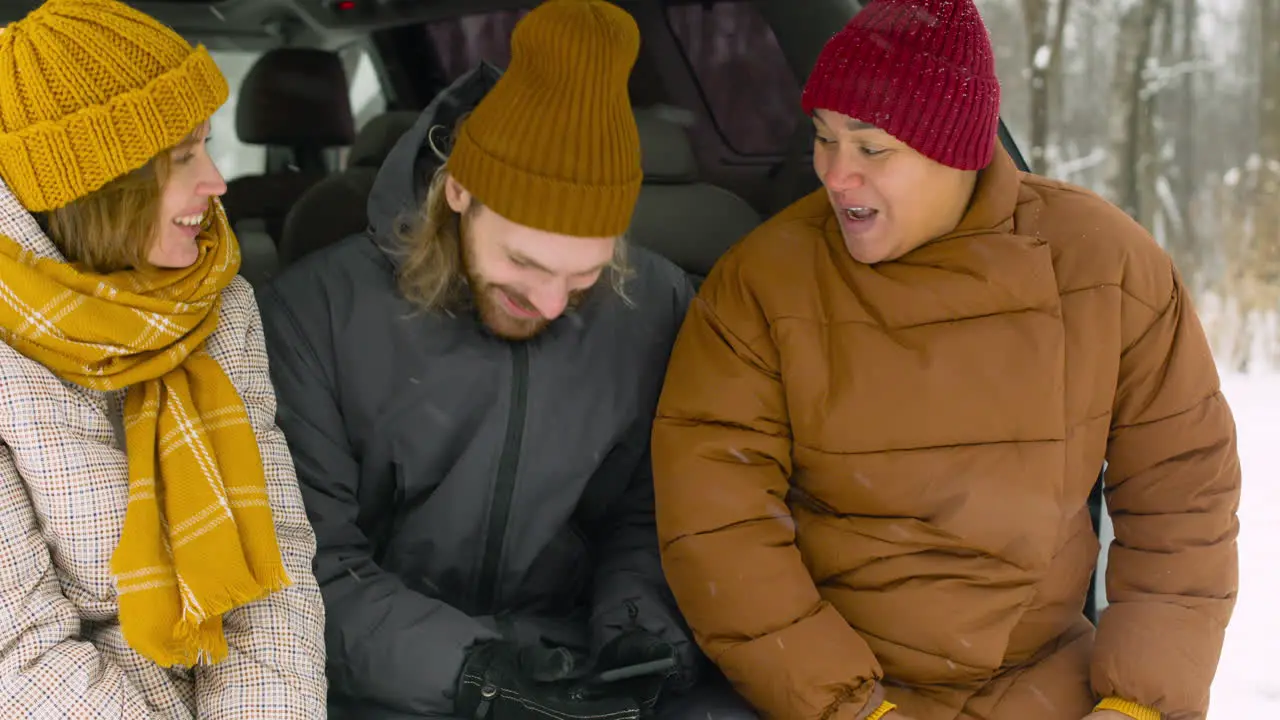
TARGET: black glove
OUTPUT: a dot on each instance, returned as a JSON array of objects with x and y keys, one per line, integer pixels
[
  {"x": 546, "y": 663},
  {"x": 644, "y": 662},
  {"x": 498, "y": 683}
]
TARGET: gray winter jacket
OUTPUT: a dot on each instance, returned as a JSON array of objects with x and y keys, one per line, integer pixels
[{"x": 462, "y": 487}]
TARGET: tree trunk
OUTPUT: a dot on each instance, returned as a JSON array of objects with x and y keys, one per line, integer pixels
[
  {"x": 1267, "y": 200},
  {"x": 1152, "y": 126},
  {"x": 1133, "y": 48},
  {"x": 1044, "y": 56},
  {"x": 1269, "y": 121},
  {"x": 1185, "y": 168}
]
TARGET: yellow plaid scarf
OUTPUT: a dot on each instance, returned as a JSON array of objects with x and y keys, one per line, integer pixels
[{"x": 198, "y": 538}]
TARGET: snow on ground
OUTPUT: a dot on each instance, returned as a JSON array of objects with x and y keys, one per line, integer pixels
[{"x": 1247, "y": 684}]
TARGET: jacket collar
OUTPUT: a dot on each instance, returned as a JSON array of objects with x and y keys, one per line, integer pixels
[{"x": 994, "y": 198}]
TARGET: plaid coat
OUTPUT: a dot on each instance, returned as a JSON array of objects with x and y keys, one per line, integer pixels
[{"x": 63, "y": 490}]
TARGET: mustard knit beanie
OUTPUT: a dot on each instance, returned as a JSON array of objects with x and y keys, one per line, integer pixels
[
  {"x": 554, "y": 145},
  {"x": 91, "y": 90}
]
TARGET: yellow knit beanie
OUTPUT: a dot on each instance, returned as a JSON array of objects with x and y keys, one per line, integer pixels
[
  {"x": 553, "y": 145},
  {"x": 91, "y": 90}
]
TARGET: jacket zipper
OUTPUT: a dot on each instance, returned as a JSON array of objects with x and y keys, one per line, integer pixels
[{"x": 504, "y": 488}]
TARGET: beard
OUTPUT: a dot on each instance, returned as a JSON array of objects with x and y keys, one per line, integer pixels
[{"x": 488, "y": 299}]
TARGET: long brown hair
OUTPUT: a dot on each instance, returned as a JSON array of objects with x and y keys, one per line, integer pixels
[
  {"x": 432, "y": 275},
  {"x": 113, "y": 227}
]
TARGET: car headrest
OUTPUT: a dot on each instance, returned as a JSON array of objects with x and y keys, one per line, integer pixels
[
  {"x": 666, "y": 153},
  {"x": 329, "y": 211},
  {"x": 378, "y": 136},
  {"x": 295, "y": 97}
]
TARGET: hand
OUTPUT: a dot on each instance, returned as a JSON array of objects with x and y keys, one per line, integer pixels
[
  {"x": 498, "y": 683},
  {"x": 632, "y": 648}
]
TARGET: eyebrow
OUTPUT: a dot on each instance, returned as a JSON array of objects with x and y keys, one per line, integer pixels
[
  {"x": 187, "y": 142},
  {"x": 194, "y": 137},
  {"x": 530, "y": 262}
]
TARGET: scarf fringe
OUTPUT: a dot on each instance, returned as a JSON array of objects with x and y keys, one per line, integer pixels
[
  {"x": 201, "y": 643},
  {"x": 198, "y": 639},
  {"x": 273, "y": 576},
  {"x": 201, "y": 636}
]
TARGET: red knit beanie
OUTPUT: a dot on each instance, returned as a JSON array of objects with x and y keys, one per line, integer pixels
[{"x": 922, "y": 71}]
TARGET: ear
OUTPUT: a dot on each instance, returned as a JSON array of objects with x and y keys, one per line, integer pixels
[{"x": 458, "y": 197}]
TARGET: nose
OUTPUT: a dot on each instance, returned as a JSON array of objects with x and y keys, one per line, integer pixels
[
  {"x": 842, "y": 173},
  {"x": 212, "y": 183},
  {"x": 551, "y": 299}
]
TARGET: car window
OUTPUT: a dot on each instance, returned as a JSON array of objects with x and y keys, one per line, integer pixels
[
  {"x": 462, "y": 42},
  {"x": 368, "y": 99},
  {"x": 730, "y": 47},
  {"x": 233, "y": 158},
  {"x": 727, "y": 44}
]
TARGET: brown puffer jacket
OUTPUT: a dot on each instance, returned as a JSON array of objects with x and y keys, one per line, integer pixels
[{"x": 868, "y": 472}]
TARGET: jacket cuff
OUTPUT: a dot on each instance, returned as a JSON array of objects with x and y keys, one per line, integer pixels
[
  {"x": 1128, "y": 707},
  {"x": 876, "y": 706},
  {"x": 881, "y": 711}
]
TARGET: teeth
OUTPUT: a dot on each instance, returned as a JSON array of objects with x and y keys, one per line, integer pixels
[
  {"x": 190, "y": 220},
  {"x": 859, "y": 213}
]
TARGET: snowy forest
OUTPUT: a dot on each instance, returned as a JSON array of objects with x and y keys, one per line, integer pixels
[{"x": 1170, "y": 109}]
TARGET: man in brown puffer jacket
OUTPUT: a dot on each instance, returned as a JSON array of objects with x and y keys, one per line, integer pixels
[{"x": 888, "y": 405}]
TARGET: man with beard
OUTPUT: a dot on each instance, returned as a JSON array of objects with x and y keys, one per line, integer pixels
[{"x": 468, "y": 391}]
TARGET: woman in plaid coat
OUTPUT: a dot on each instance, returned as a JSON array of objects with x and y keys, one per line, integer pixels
[{"x": 155, "y": 556}]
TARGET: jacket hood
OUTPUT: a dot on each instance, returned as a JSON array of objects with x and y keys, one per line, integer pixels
[{"x": 402, "y": 181}]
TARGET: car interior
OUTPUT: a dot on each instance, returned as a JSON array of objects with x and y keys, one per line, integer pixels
[{"x": 322, "y": 89}]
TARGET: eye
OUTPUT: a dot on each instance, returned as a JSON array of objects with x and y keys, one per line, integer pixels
[
  {"x": 184, "y": 158},
  {"x": 822, "y": 140},
  {"x": 872, "y": 151}
]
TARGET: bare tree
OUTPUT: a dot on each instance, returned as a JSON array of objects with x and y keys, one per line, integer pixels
[
  {"x": 1153, "y": 205},
  {"x": 1183, "y": 171},
  {"x": 1267, "y": 200},
  {"x": 1171, "y": 109},
  {"x": 1133, "y": 48},
  {"x": 1269, "y": 97},
  {"x": 1249, "y": 202},
  {"x": 1044, "y": 53}
]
